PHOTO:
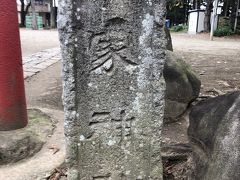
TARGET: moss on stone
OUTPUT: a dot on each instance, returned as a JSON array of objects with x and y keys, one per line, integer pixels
[{"x": 23, "y": 143}]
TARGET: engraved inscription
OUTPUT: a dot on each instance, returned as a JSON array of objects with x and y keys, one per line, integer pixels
[
  {"x": 102, "y": 177},
  {"x": 108, "y": 49},
  {"x": 121, "y": 127}
]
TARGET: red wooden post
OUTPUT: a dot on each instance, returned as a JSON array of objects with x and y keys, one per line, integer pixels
[{"x": 13, "y": 113}]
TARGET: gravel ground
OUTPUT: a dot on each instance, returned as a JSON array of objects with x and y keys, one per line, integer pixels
[
  {"x": 217, "y": 62},
  {"x": 35, "y": 41}
]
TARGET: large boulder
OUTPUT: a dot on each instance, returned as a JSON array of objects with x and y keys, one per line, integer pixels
[
  {"x": 182, "y": 87},
  {"x": 214, "y": 132}
]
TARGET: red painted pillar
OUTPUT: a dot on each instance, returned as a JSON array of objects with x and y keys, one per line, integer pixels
[{"x": 13, "y": 113}]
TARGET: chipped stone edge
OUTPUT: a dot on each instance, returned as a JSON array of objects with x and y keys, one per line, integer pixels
[{"x": 65, "y": 29}]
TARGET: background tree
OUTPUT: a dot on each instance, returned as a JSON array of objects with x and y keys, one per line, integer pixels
[
  {"x": 24, "y": 11},
  {"x": 34, "y": 17},
  {"x": 226, "y": 8},
  {"x": 207, "y": 19},
  {"x": 197, "y": 4},
  {"x": 177, "y": 11},
  {"x": 53, "y": 13},
  {"x": 233, "y": 16}
]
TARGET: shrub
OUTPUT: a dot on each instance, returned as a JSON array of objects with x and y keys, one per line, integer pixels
[
  {"x": 178, "y": 28},
  {"x": 237, "y": 31},
  {"x": 223, "y": 31}
]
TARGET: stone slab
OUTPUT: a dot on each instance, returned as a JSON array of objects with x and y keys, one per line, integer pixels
[{"x": 113, "y": 56}]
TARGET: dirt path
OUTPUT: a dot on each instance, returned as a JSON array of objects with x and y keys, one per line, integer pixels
[
  {"x": 35, "y": 41},
  {"x": 216, "y": 62},
  {"x": 43, "y": 91},
  {"x": 44, "y": 162}
]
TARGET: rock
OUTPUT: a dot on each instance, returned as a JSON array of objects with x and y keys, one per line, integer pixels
[
  {"x": 214, "y": 132},
  {"x": 182, "y": 87},
  {"x": 23, "y": 143}
]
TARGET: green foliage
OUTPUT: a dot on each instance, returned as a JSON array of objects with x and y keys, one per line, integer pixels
[
  {"x": 179, "y": 28},
  {"x": 223, "y": 31},
  {"x": 224, "y": 27},
  {"x": 237, "y": 31},
  {"x": 176, "y": 11},
  {"x": 175, "y": 3},
  {"x": 223, "y": 22}
]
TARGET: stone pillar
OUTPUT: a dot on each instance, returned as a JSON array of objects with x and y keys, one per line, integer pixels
[
  {"x": 113, "y": 57},
  {"x": 13, "y": 113}
]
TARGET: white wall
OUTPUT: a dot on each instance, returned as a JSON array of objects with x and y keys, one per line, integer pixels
[
  {"x": 201, "y": 22},
  {"x": 192, "y": 23},
  {"x": 196, "y": 22}
]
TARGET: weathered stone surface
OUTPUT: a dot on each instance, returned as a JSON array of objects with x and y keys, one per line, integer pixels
[
  {"x": 215, "y": 135},
  {"x": 182, "y": 87},
  {"x": 19, "y": 144},
  {"x": 113, "y": 57}
]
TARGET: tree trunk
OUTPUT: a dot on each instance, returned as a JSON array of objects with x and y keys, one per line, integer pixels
[
  {"x": 207, "y": 19},
  {"x": 113, "y": 56},
  {"x": 53, "y": 15},
  {"x": 27, "y": 8},
  {"x": 196, "y": 4},
  {"x": 236, "y": 17},
  {"x": 233, "y": 13},
  {"x": 22, "y": 13},
  {"x": 34, "y": 17},
  {"x": 226, "y": 8}
]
